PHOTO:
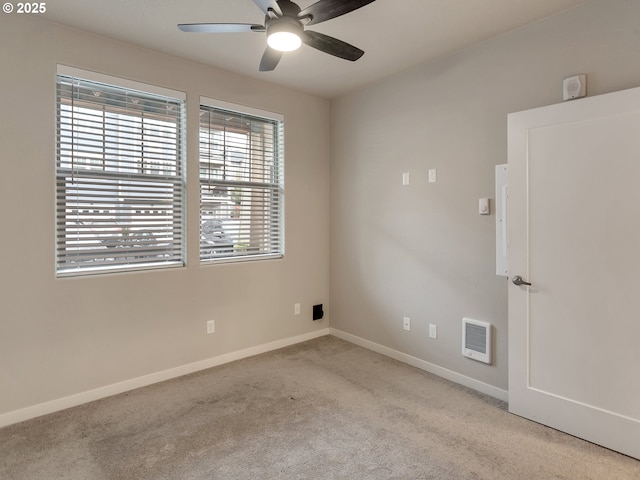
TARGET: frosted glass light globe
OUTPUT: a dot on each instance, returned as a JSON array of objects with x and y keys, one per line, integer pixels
[{"x": 284, "y": 41}]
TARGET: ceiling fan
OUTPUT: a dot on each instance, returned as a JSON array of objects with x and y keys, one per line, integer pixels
[{"x": 285, "y": 23}]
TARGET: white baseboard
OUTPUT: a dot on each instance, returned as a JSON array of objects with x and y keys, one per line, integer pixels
[
  {"x": 423, "y": 365},
  {"x": 38, "y": 410},
  {"x": 33, "y": 411}
]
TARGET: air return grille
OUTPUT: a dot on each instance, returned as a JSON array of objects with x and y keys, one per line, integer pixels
[{"x": 476, "y": 340}]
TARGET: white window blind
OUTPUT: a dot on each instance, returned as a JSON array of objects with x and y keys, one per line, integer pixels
[
  {"x": 241, "y": 184},
  {"x": 119, "y": 177}
]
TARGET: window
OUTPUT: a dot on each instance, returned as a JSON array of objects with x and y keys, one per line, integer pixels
[
  {"x": 241, "y": 183},
  {"x": 119, "y": 175}
]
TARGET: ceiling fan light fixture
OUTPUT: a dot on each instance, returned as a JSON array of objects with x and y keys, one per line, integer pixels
[
  {"x": 285, "y": 23},
  {"x": 284, "y": 41},
  {"x": 284, "y": 36}
]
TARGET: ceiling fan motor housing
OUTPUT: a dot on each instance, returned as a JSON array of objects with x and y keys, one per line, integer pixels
[
  {"x": 284, "y": 24},
  {"x": 284, "y": 31},
  {"x": 288, "y": 8}
]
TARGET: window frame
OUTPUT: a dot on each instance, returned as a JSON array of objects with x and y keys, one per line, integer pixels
[
  {"x": 278, "y": 187},
  {"x": 166, "y": 177}
]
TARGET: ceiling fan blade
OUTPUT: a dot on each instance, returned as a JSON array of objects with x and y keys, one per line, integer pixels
[
  {"x": 267, "y": 5},
  {"x": 331, "y": 45},
  {"x": 220, "y": 27},
  {"x": 324, "y": 10},
  {"x": 270, "y": 59}
]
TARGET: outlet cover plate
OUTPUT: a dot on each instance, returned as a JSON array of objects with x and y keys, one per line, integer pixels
[
  {"x": 406, "y": 323},
  {"x": 433, "y": 331}
]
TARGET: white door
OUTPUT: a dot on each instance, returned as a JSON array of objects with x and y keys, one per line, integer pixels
[{"x": 574, "y": 234}]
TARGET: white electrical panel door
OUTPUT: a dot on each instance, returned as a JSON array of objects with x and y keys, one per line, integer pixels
[{"x": 502, "y": 192}]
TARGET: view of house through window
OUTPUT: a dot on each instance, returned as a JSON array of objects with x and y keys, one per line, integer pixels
[
  {"x": 241, "y": 184},
  {"x": 119, "y": 176}
]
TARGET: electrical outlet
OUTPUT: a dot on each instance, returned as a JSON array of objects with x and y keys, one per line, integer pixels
[
  {"x": 433, "y": 175},
  {"x": 211, "y": 326},
  {"x": 296, "y": 309},
  {"x": 433, "y": 331},
  {"x": 406, "y": 323}
]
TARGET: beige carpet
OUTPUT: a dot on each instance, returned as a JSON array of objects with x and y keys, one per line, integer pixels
[{"x": 324, "y": 409}]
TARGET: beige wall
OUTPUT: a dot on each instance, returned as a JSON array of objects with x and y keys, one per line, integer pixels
[
  {"x": 60, "y": 337},
  {"x": 422, "y": 250}
]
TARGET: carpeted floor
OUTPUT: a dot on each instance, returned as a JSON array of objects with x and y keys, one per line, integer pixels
[{"x": 324, "y": 409}]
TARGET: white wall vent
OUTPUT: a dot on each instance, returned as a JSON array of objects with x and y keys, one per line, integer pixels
[{"x": 476, "y": 340}]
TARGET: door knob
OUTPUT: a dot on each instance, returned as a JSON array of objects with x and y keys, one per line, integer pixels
[{"x": 517, "y": 280}]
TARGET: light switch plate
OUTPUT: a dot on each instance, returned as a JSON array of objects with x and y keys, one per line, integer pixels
[{"x": 433, "y": 175}]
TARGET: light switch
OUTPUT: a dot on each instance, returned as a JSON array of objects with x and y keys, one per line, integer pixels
[
  {"x": 483, "y": 206},
  {"x": 405, "y": 178},
  {"x": 433, "y": 175}
]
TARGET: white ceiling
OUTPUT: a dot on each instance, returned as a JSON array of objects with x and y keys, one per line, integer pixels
[{"x": 395, "y": 34}]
